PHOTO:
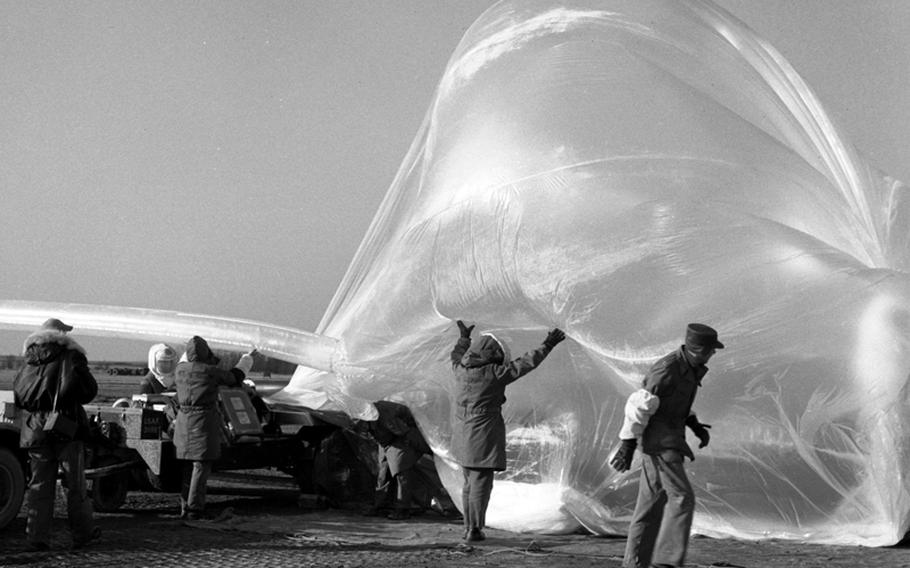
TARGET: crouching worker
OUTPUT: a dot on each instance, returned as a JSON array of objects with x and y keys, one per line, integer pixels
[
  {"x": 482, "y": 372},
  {"x": 659, "y": 413},
  {"x": 49, "y": 392},
  {"x": 402, "y": 469},
  {"x": 197, "y": 430}
]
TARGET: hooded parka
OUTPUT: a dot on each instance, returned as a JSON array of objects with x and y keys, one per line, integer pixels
[
  {"x": 52, "y": 358},
  {"x": 481, "y": 378},
  {"x": 197, "y": 430}
]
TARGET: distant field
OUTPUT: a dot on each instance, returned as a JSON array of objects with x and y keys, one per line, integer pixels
[{"x": 112, "y": 387}]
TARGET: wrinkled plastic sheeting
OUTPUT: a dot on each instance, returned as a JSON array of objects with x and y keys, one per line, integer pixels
[
  {"x": 619, "y": 169},
  {"x": 153, "y": 325}
]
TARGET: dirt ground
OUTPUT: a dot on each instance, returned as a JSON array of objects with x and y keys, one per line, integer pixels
[{"x": 259, "y": 523}]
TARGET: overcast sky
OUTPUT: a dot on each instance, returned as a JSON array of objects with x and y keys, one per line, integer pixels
[{"x": 227, "y": 158}]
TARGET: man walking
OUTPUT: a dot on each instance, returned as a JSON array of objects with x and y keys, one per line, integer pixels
[{"x": 658, "y": 413}]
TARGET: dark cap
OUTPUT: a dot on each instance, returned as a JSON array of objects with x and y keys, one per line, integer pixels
[
  {"x": 701, "y": 336},
  {"x": 54, "y": 323}
]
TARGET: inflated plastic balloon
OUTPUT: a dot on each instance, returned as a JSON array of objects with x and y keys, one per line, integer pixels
[{"x": 619, "y": 169}]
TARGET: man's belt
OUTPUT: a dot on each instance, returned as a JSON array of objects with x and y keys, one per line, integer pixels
[{"x": 195, "y": 409}]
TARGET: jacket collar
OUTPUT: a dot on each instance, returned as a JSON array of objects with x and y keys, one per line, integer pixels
[
  {"x": 698, "y": 371},
  {"x": 45, "y": 336}
]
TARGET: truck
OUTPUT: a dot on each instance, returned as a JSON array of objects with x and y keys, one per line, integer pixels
[{"x": 131, "y": 446}]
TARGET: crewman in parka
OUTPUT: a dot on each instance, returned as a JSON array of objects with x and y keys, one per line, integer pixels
[
  {"x": 55, "y": 380},
  {"x": 197, "y": 430},
  {"x": 482, "y": 372}
]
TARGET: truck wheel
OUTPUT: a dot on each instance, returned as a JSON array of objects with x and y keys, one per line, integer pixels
[
  {"x": 12, "y": 486},
  {"x": 109, "y": 492}
]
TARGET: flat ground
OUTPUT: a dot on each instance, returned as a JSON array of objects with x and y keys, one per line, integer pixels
[{"x": 259, "y": 523}]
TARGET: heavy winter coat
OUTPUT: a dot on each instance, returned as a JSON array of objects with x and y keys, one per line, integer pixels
[
  {"x": 675, "y": 382},
  {"x": 481, "y": 377},
  {"x": 52, "y": 358},
  {"x": 198, "y": 427}
]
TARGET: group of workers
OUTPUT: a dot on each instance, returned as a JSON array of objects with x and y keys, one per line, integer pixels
[
  {"x": 49, "y": 391},
  {"x": 55, "y": 382}
]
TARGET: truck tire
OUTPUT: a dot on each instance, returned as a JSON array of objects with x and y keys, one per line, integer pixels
[
  {"x": 109, "y": 492},
  {"x": 12, "y": 486}
]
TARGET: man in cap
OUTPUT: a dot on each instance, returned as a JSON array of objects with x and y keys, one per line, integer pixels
[
  {"x": 483, "y": 370},
  {"x": 658, "y": 413},
  {"x": 50, "y": 389}
]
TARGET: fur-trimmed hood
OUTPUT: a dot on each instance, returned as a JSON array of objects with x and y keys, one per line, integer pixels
[{"x": 45, "y": 345}]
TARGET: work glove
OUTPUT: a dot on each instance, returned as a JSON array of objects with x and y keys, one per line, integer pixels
[
  {"x": 699, "y": 429},
  {"x": 555, "y": 336},
  {"x": 245, "y": 363},
  {"x": 465, "y": 330},
  {"x": 622, "y": 461}
]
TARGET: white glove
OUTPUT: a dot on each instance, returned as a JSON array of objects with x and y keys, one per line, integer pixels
[{"x": 245, "y": 363}]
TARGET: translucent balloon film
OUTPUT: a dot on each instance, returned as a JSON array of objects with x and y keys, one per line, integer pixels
[{"x": 619, "y": 169}]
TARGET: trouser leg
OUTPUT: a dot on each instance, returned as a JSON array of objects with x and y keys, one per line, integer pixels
[
  {"x": 382, "y": 493},
  {"x": 186, "y": 472},
  {"x": 466, "y": 498},
  {"x": 646, "y": 519},
  {"x": 199, "y": 477},
  {"x": 78, "y": 505},
  {"x": 405, "y": 481},
  {"x": 479, "y": 484},
  {"x": 42, "y": 486},
  {"x": 673, "y": 538}
]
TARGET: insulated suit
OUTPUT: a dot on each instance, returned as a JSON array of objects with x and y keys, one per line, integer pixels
[
  {"x": 198, "y": 427},
  {"x": 482, "y": 373},
  {"x": 55, "y": 377}
]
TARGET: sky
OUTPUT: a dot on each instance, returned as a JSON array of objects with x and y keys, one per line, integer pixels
[{"x": 227, "y": 158}]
